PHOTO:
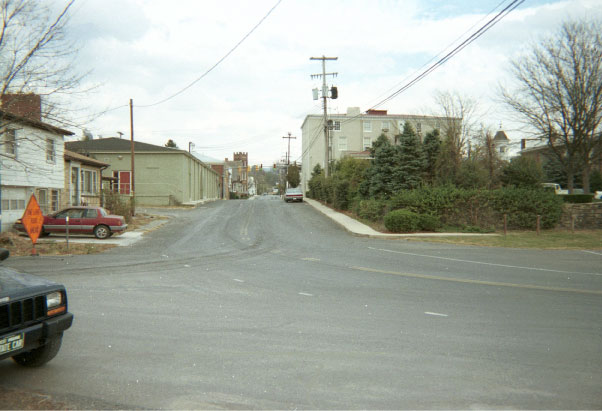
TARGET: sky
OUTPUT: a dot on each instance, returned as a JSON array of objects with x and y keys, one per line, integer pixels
[{"x": 151, "y": 51}]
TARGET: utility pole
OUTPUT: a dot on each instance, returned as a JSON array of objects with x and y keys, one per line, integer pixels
[
  {"x": 133, "y": 196},
  {"x": 325, "y": 96},
  {"x": 288, "y": 153}
]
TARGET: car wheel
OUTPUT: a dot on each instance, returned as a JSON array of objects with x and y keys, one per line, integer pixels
[
  {"x": 40, "y": 355},
  {"x": 102, "y": 232}
]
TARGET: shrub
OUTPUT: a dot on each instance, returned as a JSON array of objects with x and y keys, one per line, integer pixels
[
  {"x": 372, "y": 210},
  {"x": 522, "y": 206},
  {"x": 341, "y": 194},
  {"x": 116, "y": 204},
  {"x": 429, "y": 222},
  {"x": 577, "y": 198},
  {"x": 399, "y": 221}
]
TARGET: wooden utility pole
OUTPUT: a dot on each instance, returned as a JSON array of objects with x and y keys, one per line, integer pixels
[
  {"x": 288, "y": 153},
  {"x": 132, "y": 191},
  {"x": 325, "y": 97}
]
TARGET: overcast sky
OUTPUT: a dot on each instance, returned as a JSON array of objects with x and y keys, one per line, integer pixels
[{"x": 148, "y": 50}]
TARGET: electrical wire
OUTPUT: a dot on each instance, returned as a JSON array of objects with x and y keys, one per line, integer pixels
[
  {"x": 509, "y": 8},
  {"x": 216, "y": 64}
]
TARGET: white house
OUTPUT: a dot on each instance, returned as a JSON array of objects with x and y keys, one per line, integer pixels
[{"x": 31, "y": 162}]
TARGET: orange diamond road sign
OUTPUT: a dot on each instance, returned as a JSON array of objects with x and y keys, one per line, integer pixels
[{"x": 33, "y": 219}]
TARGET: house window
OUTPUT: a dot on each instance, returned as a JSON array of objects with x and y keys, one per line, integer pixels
[
  {"x": 342, "y": 143},
  {"x": 337, "y": 125},
  {"x": 54, "y": 200},
  {"x": 9, "y": 142},
  {"x": 502, "y": 149},
  {"x": 367, "y": 143},
  {"x": 367, "y": 126},
  {"x": 89, "y": 184},
  {"x": 13, "y": 205},
  {"x": 385, "y": 126},
  {"x": 43, "y": 200},
  {"x": 50, "y": 150}
]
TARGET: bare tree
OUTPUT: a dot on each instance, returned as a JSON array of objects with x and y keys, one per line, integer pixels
[
  {"x": 36, "y": 58},
  {"x": 460, "y": 119},
  {"x": 559, "y": 95}
]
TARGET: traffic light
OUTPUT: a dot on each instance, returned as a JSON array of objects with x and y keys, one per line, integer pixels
[
  {"x": 334, "y": 93},
  {"x": 261, "y": 166},
  {"x": 274, "y": 165}
]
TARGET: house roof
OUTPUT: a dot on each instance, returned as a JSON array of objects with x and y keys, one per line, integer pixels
[
  {"x": 70, "y": 155},
  {"x": 500, "y": 136},
  {"x": 114, "y": 144},
  {"x": 34, "y": 123}
]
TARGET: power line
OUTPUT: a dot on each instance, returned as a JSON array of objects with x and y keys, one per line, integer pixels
[
  {"x": 216, "y": 64},
  {"x": 513, "y": 5}
]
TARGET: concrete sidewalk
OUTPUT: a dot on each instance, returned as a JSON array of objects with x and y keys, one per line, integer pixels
[{"x": 362, "y": 230}]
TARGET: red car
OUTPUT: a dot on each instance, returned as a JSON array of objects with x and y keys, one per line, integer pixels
[{"x": 82, "y": 220}]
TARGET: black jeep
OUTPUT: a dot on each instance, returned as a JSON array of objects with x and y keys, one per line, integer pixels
[{"x": 33, "y": 316}]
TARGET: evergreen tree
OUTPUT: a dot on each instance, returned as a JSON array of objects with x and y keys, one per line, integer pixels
[
  {"x": 171, "y": 143},
  {"x": 431, "y": 146},
  {"x": 522, "y": 172},
  {"x": 379, "y": 181},
  {"x": 292, "y": 175},
  {"x": 411, "y": 162}
]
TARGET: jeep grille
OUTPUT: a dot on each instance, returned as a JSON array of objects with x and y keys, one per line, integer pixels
[{"x": 22, "y": 312}]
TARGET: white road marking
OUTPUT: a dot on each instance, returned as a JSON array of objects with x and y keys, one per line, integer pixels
[
  {"x": 306, "y": 294},
  {"x": 591, "y": 252},
  {"x": 310, "y": 259},
  {"x": 436, "y": 314},
  {"x": 238, "y": 281},
  {"x": 482, "y": 263}
]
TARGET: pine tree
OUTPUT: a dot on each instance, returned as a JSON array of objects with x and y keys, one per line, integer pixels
[{"x": 411, "y": 161}]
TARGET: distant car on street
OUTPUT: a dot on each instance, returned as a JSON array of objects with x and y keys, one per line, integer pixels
[
  {"x": 293, "y": 194},
  {"x": 82, "y": 220}
]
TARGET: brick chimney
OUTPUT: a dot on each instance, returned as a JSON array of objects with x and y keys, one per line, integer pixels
[{"x": 23, "y": 105}]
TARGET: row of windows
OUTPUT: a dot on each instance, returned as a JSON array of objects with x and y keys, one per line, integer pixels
[
  {"x": 343, "y": 143},
  {"x": 13, "y": 205},
  {"x": 384, "y": 126},
  {"x": 9, "y": 145}
]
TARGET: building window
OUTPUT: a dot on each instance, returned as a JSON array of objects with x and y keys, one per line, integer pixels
[
  {"x": 54, "y": 200},
  {"x": 89, "y": 184},
  {"x": 13, "y": 205},
  {"x": 43, "y": 200},
  {"x": 400, "y": 125},
  {"x": 418, "y": 128},
  {"x": 502, "y": 149},
  {"x": 9, "y": 142},
  {"x": 337, "y": 125},
  {"x": 50, "y": 150},
  {"x": 342, "y": 143},
  {"x": 367, "y": 143},
  {"x": 367, "y": 126},
  {"x": 385, "y": 126}
]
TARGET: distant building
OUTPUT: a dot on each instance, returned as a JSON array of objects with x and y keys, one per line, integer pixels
[
  {"x": 502, "y": 144},
  {"x": 238, "y": 173},
  {"x": 353, "y": 133},
  {"x": 162, "y": 175}
]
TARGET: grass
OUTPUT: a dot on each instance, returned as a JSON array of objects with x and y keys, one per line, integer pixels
[{"x": 548, "y": 239}]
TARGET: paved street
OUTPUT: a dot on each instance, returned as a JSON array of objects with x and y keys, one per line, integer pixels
[{"x": 262, "y": 304}]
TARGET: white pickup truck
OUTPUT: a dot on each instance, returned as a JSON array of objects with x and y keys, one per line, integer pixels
[{"x": 554, "y": 187}]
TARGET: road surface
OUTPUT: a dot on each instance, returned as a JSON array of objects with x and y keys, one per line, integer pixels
[{"x": 262, "y": 304}]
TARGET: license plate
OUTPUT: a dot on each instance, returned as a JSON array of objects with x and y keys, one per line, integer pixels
[{"x": 12, "y": 343}]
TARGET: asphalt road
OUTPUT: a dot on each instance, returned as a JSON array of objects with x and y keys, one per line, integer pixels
[{"x": 262, "y": 304}]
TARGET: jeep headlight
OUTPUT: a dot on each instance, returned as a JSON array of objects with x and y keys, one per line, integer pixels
[
  {"x": 55, "y": 303},
  {"x": 54, "y": 300}
]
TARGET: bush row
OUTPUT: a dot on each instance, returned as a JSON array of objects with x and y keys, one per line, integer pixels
[{"x": 428, "y": 208}]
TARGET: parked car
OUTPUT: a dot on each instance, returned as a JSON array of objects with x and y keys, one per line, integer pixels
[
  {"x": 82, "y": 220},
  {"x": 293, "y": 194},
  {"x": 33, "y": 316}
]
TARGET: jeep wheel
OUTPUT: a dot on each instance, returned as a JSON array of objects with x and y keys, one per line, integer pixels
[
  {"x": 40, "y": 355},
  {"x": 102, "y": 232}
]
